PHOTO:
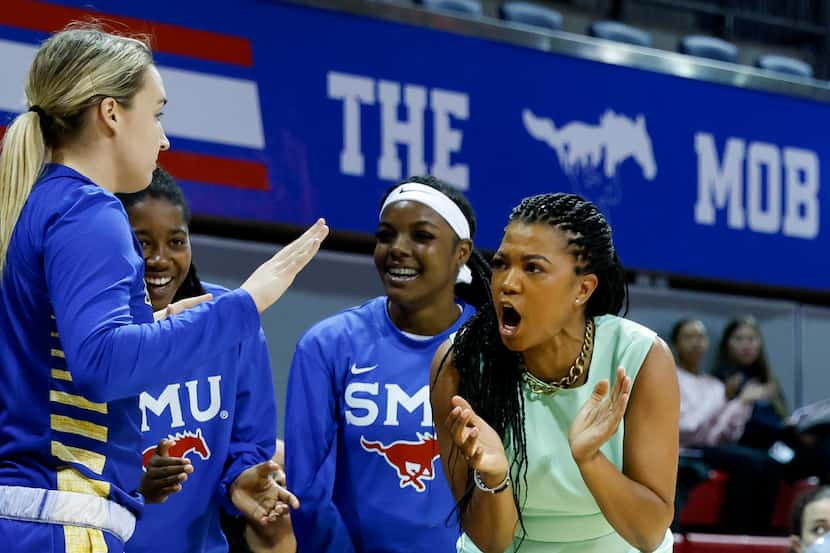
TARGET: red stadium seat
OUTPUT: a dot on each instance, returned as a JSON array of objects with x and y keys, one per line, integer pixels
[
  {"x": 787, "y": 494},
  {"x": 721, "y": 543},
  {"x": 706, "y": 502}
]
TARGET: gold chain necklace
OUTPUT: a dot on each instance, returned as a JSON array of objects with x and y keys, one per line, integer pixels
[{"x": 539, "y": 386}]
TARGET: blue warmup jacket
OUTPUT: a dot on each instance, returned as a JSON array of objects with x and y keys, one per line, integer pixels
[
  {"x": 224, "y": 419},
  {"x": 361, "y": 452},
  {"x": 78, "y": 343}
]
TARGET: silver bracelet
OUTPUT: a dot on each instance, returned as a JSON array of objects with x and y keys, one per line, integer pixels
[{"x": 483, "y": 487}]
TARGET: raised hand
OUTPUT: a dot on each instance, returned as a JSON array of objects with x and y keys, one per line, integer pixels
[
  {"x": 598, "y": 420},
  {"x": 477, "y": 442},
  {"x": 165, "y": 475},
  {"x": 271, "y": 279},
  {"x": 260, "y": 493}
]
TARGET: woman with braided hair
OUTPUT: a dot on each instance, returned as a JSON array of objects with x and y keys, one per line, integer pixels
[{"x": 536, "y": 456}]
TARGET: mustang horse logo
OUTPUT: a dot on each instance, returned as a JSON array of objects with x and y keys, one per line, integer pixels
[
  {"x": 413, "y": 461},
  {"x": 579, "y": 146},
  {"x": 183, "y": 443},
  {"x": 590, "y": 155}
]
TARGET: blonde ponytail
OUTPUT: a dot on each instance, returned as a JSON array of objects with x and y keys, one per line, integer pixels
[{"x": 22, "y": 154}]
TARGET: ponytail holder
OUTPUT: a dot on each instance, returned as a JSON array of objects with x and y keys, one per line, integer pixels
[{"x": 39, "y": 111}]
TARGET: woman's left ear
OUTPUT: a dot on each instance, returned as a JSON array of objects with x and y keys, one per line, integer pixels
[
  {"x": 107, "y": 111},
  {"x": 587, "y": 286},
  {"x": 463, "y": 252}
]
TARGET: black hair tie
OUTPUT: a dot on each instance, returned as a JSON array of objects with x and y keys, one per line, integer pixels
[{"x": 39, "y": 110}]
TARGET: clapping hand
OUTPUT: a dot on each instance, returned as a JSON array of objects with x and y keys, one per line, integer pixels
[
  {"x": 480, "y": 445},
  {"x": 598, "y": 419}
]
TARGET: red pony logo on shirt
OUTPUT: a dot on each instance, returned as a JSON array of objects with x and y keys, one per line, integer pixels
[
  {"x": 413, "y": 461},
  {"x": 183, "y": 443}
]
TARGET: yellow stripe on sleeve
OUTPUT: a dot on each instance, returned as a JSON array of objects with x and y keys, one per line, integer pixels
[
  {"x": 76, "y": 401},
  {"x": 89, "y": 459}
]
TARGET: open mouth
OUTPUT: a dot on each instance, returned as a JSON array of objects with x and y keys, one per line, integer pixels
[
  {"x": 510, "y": 320},
  {"x": 402, "y": 274}
]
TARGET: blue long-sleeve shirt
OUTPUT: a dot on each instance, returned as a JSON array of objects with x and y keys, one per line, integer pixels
[
  {"x": 224, "y": 420},
  {"x": 361, "y": 453},
  {"x": 79, "y": 343}
]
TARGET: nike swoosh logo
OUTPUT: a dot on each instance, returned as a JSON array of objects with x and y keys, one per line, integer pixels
[{"x": 360, "y": 370}]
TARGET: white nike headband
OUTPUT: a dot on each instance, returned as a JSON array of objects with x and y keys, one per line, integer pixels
[
  {"x": 435, "y": 200},
  {"x": 442, "y": 205}
]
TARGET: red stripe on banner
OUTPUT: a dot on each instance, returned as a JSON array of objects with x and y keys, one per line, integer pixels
[
  {"x": 170, "y": 39},
  {"x": 249, "y": 175}
]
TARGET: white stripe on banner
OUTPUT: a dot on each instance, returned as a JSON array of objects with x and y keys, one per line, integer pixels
[
  {"x": 15, "y": 59},
  {"x": 202, "y": 106},
  {"x": 212, "y": 108}
]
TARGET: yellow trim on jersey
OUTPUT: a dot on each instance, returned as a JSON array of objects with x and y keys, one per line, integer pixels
[
  {"x": 76, "y": 401},
  {"x": 91, "y": 460},
  {"x": 84, "y": 540},
  {"x": 70, "y": 480},
  {"x": 57, "y": 353},
  {"x": 86, "y": 429},
  {"x": 61, "y": 374},
  {"x": 55, "y": 335}
]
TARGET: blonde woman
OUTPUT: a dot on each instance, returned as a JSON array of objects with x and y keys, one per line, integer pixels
[{"x": 79, "y": 337}]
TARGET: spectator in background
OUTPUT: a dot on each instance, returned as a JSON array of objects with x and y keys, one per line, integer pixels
[
  {"x": 707, "y": 417},
  {"x": 711, "y": 421},
  {"x": 802, "y": 446},
  {"x": 811, "y": 522},
  {"x": 742, "y": 362}
]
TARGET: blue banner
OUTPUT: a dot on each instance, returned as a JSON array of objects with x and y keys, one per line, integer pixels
[{"x": 304, "y": 112}]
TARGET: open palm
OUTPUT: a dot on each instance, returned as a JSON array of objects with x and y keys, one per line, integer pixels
[
  {"x": 598, "y": 420},
  {"x": 271, "y": 279},
  {"x": 261, "y": 497},
  {"x": 480, "y": 445}
]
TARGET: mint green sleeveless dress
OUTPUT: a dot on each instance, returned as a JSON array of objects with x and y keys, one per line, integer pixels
[{"x": 560, "y": 514}]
